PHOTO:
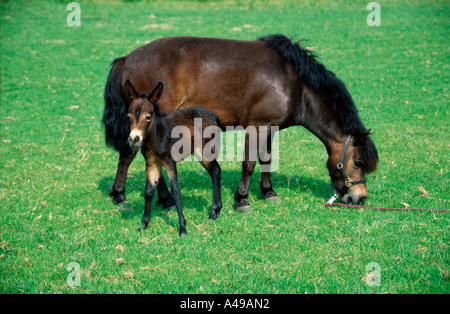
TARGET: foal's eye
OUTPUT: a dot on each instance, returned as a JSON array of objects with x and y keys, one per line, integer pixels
[
  {"x": 148, "y": 118},
  {"x": 358, "y": 163}
]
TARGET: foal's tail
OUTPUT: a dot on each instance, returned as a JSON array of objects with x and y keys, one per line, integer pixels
[{"x": 114, "y": 119}]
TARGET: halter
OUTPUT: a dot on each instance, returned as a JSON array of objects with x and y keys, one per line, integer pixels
[{"x": 348, "y": 182}]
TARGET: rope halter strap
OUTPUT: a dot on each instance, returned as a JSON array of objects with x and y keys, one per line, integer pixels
[{"x": 347, "y": 181}]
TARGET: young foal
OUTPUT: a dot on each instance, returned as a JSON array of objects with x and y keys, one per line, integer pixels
[{"x": 151, "y": 132}]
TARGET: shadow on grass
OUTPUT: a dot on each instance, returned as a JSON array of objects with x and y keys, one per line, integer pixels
[{"x": 200, "y": 181}]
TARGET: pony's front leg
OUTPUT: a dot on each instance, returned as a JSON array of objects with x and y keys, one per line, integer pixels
[
  {"x": 214, "y": 171},
  {"x": 118, "y": 189},
  {"x": 265, "y": 160},
  {"x": 248, "y": 166},
  {"x": 152, "y": 174},
  {"x": 175, "y": 191}
]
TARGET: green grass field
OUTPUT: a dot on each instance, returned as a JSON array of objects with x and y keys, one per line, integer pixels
[{"x": 55, "y": 171}]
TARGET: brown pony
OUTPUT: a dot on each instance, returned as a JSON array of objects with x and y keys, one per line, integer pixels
[
  {"x": 271, "y": 81},
  {"x": 152, "y": 133}
]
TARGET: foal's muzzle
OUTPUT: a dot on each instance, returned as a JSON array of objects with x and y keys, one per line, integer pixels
[{"x": 135, "y": 139}]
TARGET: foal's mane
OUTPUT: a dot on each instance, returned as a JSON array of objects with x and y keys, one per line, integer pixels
[{"x": 316, "y": 76}]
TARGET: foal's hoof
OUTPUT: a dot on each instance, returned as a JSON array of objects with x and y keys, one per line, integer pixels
[
  {"x": 213, "y": 217},
  {"x": 168, "y": 203},
  {"x": 142, "y": 228},
  {"x": 273, "y": 199}
]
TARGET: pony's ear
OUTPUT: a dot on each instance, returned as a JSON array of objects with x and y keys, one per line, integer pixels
[
  {"x": 156, "y": 93},
  {"x": 130, "y": 92},
  {"x": 361, "y": 138}
]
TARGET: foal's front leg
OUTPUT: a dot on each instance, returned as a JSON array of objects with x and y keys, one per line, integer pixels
[
  {"x": 175, "y": 190},
  {"x": 152, "y": 174}
]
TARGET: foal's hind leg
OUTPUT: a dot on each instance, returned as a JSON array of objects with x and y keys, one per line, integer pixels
[
  {"x": 118, "y": 189},
  {"x": 214, "y": 171},
  {"x": 164, "y": 196}
]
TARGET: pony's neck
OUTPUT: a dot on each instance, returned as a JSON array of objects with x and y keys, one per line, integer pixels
[{"x": 320, "y": 118}]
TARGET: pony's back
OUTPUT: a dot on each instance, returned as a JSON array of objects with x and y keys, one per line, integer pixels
[{"x": 186, "y": 117}]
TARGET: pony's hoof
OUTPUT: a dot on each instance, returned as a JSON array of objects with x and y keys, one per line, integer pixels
[
  {"x": 244, "y": 209},
  {"x": 118, "y": 197},
  {"x": 183, "y": 234},
  {"x": 273, "y": 199},
  {"x": 120, "y": 200}
]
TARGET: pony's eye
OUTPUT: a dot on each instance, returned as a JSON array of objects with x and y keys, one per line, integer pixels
[
  {"x": 148, "y": 118},
  {"x": 358, "y": 163},
  {"x": 129, "y": 119}
]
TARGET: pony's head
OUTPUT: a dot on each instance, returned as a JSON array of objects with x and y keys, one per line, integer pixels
[
  {"x": 348, "y": 165},
  {"x": 141, "y": 113}
]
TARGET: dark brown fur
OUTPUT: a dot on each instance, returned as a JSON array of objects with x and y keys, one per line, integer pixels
[
  {"x": 267, "y": 82},
  {"x": 151, "y": 132}
]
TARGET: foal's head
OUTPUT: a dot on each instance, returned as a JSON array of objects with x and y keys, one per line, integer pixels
[
  {"x": 348, "y": 166},
  {"x": 141, "y": 113}
]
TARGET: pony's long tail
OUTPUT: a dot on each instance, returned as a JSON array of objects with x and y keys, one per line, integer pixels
[
  {"x": 218, "y": 122},
  {"x": 114, "y": 119}
]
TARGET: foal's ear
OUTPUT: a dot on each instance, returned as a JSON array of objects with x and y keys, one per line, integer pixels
[
  {"x": 130, "y": 92},
  {"x": 156, "y": 93}
]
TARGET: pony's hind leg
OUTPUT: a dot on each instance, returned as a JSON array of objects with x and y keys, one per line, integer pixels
[
  {"x": 214, "y": 171},
  {"x": 118, "y": 189}
]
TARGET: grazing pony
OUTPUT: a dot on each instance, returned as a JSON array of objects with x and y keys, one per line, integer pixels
[
  {"x": 267, "y": 82},
  {"x": 152, "y": 132}
]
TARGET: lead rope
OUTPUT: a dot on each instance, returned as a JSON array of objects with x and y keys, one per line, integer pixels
[{"x": 330, "y": 202}]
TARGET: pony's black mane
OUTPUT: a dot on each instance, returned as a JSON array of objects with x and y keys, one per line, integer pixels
[{"x": 316, "y": 76}]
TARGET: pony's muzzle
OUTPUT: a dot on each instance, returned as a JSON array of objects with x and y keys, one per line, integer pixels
[{"x": 355, "y": 195}]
